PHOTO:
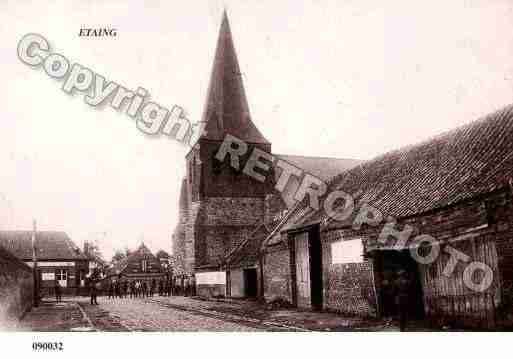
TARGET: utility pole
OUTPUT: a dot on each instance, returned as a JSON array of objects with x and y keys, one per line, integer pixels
[{"x": 34, "y": 265}]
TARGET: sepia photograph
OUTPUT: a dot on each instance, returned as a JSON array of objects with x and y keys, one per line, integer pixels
[{"x": 338, "y": 170}]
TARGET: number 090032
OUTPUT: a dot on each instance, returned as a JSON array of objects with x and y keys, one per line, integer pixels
[{"x": 47, "y": 346}]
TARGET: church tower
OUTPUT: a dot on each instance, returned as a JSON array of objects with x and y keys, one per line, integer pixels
[{"x": 224, "y": 205}]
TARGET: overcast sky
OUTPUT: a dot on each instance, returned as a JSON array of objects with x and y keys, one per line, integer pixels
[{"x": 338, "y": 78}]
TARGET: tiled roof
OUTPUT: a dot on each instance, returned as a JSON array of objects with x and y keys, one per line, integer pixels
[
  {"x": 322, "y": 167},
  {"x": 459, "y": 164},
  {"x": 140, "y": 253},
  {"x": 49, "y": 245}
]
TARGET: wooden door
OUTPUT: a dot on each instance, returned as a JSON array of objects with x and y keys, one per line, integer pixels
[{"x": 303, "y": 271}]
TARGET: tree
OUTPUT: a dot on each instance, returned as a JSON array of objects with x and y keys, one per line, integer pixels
[
  {"x": 92, "y": 251},
  {"x": 118, "y": 255},
  {"x": 121, "y": 254}
]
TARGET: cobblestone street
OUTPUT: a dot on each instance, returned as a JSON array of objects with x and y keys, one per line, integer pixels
[
  {"x": 148, "y": 315},
  {"x": 184, "y": 314},
  {"x": 76, "y": 314}
]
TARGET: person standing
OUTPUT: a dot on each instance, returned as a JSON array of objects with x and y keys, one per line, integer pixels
[
  {"x": 137, "y": 288},
  {"x": 111, "y": 290},
  {"x": 144, "y": 289},
  {"x": 129, "y": 289},
  {"x": 95, "y": 287},
  {"x": 403, "y": 288},
  {"x": 58, "y": 294},
  {"x": 193, "y": 286}
]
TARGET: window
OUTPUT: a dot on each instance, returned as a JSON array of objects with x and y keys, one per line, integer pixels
[
  {"x": 144, "y": 265},
  {"x": 350, "y": 251},
  {"x": 61, "y": 274}
]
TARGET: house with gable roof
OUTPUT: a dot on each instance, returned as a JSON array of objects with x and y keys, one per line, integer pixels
[{"x": 58, "y": 259}]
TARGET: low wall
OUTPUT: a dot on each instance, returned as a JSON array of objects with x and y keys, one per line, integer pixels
[{"x": 16, "y": 289}]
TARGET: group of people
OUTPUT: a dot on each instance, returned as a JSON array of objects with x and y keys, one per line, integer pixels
[{"x": 139, "y": 288}]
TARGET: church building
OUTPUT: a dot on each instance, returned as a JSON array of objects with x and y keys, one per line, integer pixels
[{"x": 221, "y": 208}]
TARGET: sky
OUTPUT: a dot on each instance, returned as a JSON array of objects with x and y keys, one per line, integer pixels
[{"x": 349, "y": 79}]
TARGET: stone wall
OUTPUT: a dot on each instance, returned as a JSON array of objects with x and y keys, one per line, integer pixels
[{"x": 16, "y": 288}]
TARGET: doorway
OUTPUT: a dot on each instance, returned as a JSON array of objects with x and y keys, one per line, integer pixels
[
  {"x": 250, "y": 283},
  {"x": 389, "y": 263},
  {"x": 308, "y": 269}
]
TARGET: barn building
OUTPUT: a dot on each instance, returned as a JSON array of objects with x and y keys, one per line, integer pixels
[{"x": 456, "y": 188}]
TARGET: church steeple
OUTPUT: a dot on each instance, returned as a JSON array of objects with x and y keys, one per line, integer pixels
[{"x": 226, "y": 108}]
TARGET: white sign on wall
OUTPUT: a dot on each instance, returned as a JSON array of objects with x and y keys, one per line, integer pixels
[
  {"x": 350, "y": 251},
  {"x": 51, "y": 264},
  {"x": 48, "y": 276},
  {"x": 211, "y": 278}
]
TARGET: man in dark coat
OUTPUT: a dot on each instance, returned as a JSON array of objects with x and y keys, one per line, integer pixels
[
  {"x": 144, "y": 289},
  {"x": 152, "y": 287},
  {"x": 58, "y": 294},
  {"x": 402, "y": 297},
  {"x": 95, "y": 286},
  {"x": 111, "y": 290}
]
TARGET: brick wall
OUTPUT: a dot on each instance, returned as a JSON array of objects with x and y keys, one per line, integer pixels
[
  {"x": 347, "y": 287},
  {"x": 16, "y": 288},
  {"x": 238, "y": 211},
  {"x": 222, "y": 224},
  {"x": 276, "y": 273},
  {"x": 214, "y": 242}
]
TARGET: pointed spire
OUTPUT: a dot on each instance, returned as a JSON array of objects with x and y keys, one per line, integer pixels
[{"x": 226, "y": 109}]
